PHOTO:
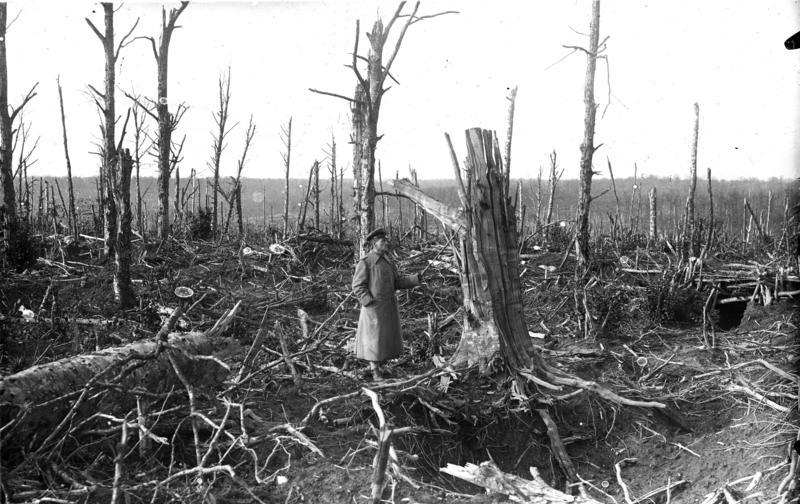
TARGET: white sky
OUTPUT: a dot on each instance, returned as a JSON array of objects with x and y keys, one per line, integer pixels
[{"x": 454, "y": 72}]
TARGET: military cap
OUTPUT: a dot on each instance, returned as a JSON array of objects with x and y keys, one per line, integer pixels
[{"x": 378, "y": 233}]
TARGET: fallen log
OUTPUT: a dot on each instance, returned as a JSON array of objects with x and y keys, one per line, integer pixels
[{"x": 38, "y": 398}]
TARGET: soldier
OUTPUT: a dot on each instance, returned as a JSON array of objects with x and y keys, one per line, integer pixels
[{"x": 379, "y": 336}]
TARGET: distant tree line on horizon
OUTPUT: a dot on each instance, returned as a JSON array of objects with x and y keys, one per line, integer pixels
[{"x": 263, "y": 199}]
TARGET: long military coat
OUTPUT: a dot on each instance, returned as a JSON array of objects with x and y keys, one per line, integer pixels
[{"x": 379, "y": 336}]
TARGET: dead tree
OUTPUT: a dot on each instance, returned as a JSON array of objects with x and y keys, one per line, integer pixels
[
  {"x": 316, "y": 196},
  {"x": 691, "y": 247},
  {"x": 8, "y": 210},
  {"x": 286, "y": 138},
  {"x": 587, "y": 146},
  {"x": 419, "y": 212},
  {"x": 303, "y": 209},
  {"x": 335, "y": 219},
  {"x": 710, "y": 235},
  {"x": 366, "y": 109},
  {"x": 24, "y": 162},
  {"x": 73, "y": 220},
  {"x": 235, "y": 199},
  {"x": 107, "y": 108},
  {"x": 166, "y": 122},
  {"x": 121, "y": 183},
  {"x": 220, "y": 121},
  {"x": 358, "y": 113},
  {"x": 139, "y": 134},
  {"x": 554, "y": 177},
  {"x": 618, "y": 221}
]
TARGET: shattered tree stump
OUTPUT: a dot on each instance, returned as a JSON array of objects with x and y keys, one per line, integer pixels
[{"x": 487, "y": 254}]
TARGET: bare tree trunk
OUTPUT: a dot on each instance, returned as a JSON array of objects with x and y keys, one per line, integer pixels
[
  {"x": 287, "y": 158},
  {"x": 419, "y": 212},
  {"x": 316, "y": 195},
  {"x": 399, "y": 205},
  {"x": 73, "y": 220},
  {"x": 138, "y": 126},
  {"x": 520, "y": 212},
  {"x": 653, "y": 213},
  {"x": 221, "y": 119},
  {"x": 587, "y": 147},
  {"x": 769, "y": 213},
  {"x": 302, "y": 211},
  {"x": 634, "y": 188},
  {"x": 334, "y": 219},
  {"x": 248, "y": 140},
  {"x": 109, "y": 138},
  {"x": 358, "y": 111},
  {"x": 8, "y": 209},
  {"x": 166, "y": 121},
  {"x": 691, "y": 247},
  {"x": 123, "y": 289},
  {"x": 539, "y": 199},
  {"x": 340, "y": 213},
  {"x": 108, "y": 127},
  {"x": 178, "y": 218},
  {"x": 384, "y": 204},
  {"x": 710, "y": 236}
]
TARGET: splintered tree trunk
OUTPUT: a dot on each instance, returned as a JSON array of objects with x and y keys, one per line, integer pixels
[
  {"x": 488, "y": 256},
  {"x": 587, "y": 147},
  {"x": 123, "y": 289}
]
